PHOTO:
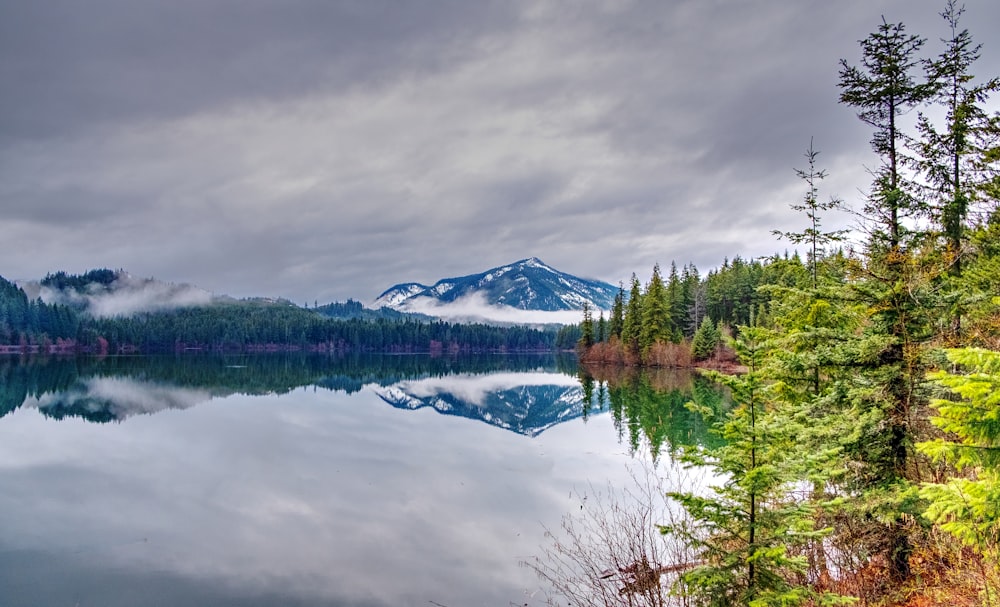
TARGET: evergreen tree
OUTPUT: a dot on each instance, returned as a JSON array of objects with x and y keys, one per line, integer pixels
[
  {"x": 587, "y": 328},
  {"x": 813, "y": 236},
  {"x": 894, "y": 285},
  {"x": 706, "y": 339},
  {"x": 568, "y": 337},
  {"x": 980, "y": 287},
  {"x": 809, "y": 320},
  {"x": 632, "y": 324},
  {"x": 754, "y": 524},
  {"x": 882, "y": 90},
  {"x": 692, "y": 306},
  {"x": 617, "y": 320},
  {"x": 953, "y": 159},
  {"x": 676, "y": 304},
  {"x": 655, "y": 315},
  {"x": 969, "y": 507},
  {"x": 955, "y": 156}
]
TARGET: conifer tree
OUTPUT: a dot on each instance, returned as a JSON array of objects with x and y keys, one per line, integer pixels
[
  {"x": 706, "y": 339},
  {"x": 655, "y": 315},
  {"x": 893, "y": 285},
  {"x": 981, "y": 284},
  {"x": 754, "y": 525},
  {"x": 632, "y": 324},
  {"x": 676, "y": 305},
  {"x": 617, "y": 319},
  {"x": 813, "y": 236},
  {"x": 692, "y": 306},
  {"x": 953, "y": 159},
  {"x": 810, "y": 320},
  {"x": 968, "y": 507},
  {"x": 883, "y": 89},
  {"x": 587, "y": 328}
]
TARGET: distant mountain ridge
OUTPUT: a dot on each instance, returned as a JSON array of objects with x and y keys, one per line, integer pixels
[{"x": 528, "y": 284}]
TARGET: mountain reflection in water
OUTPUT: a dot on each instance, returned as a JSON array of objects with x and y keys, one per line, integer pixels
[
  {"x": 524, "y": 394},
  {"x": 287, "y": 480}
]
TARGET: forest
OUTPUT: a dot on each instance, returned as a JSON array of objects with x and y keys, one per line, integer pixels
[
  {"x": 243, "y": 326},
  {"x": 860, "y": 463}
]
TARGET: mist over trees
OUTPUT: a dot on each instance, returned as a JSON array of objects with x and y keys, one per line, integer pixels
[{"x": 34, "y": 326}]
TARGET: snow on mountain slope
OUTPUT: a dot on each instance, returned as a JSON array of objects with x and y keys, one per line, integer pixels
[
  {"x": 398, "y": 294},
  {"x": 528, "y": 284}
]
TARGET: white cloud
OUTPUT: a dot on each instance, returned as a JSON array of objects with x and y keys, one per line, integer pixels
[
  {"x": 474, "y": 388},
  {"x": 475, "y": 308},
  {"x": 125, "y": 296},
  {"x": 123, "y": 397}
]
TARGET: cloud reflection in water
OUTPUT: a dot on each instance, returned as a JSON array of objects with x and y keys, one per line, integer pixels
[{"x": 313, "y": 497}]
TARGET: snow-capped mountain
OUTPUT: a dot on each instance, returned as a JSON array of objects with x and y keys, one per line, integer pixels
[
  {"x": 398, "y": 294},
  {"x": 528, "y": 284}
]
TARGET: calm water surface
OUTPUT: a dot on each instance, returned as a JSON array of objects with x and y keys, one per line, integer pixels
[{"x": 284, "y": 480}]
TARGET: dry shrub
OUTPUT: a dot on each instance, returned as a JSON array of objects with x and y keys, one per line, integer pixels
[
  {"x": 947, "y": 573},
  {"x": 611, "y": 352},
  {"x": 723, "y": 359},
  {"x": 943, "y": 572},
  {"x": 611, "y": 553},
  {"x": 630, "y": 357},
  {"x": 605, "y": 353},
  {"x": 669, "y": 354}
]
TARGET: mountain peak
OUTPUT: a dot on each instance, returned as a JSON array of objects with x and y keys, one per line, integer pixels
[
  {"x": 534, "y": 262},
  {"x": 528, "y": 284}
]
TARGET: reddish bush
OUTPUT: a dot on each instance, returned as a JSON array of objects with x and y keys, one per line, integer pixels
[{"x": 669, "y": 354}]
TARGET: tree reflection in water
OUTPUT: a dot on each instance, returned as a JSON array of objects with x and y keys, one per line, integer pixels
[{"x": 655, "y": 406}]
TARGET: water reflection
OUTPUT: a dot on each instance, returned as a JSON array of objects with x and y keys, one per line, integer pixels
[
  {"x": 291, "y": 482},
  {"x": 652, "y": 406},
  {"x": 287, "y": 480},
  {"x": 526, "y": 403},
  {"x": 524, "y": 394}
]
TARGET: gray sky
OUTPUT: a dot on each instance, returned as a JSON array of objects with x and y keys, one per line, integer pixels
[{"x": 323, "y": 150}]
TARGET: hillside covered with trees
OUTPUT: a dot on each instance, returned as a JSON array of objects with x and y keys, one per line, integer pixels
[{"x": 236, "y": 326}]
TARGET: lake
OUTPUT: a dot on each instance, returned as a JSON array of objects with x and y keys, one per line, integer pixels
[{"x": 310, "y": 480}]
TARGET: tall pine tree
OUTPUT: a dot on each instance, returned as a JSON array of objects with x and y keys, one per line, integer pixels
[
  {"x": 632, "y": 324},
  {"x": 893, "y": 284},
  {"x": 953, "y": 157},
  {"x": 655, "y": 314}
]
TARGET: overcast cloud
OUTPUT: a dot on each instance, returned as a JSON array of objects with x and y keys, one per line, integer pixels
[{"x": 324, "y": 150}]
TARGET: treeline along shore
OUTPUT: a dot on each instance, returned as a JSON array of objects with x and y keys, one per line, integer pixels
[{"x": 33, "y": 326}]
